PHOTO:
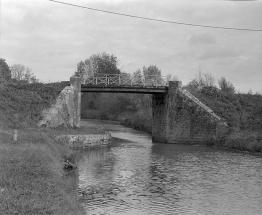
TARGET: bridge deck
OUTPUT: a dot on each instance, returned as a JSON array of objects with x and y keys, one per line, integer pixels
[{"x": 106, "y": 89}]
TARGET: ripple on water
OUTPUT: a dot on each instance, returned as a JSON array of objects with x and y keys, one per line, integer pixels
[{"x": 145, "y": 178}]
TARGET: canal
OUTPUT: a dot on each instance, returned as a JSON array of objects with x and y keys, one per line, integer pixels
[{"x": 135, "y": 176}]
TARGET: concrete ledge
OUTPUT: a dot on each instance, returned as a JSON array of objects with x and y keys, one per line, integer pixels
[{"x": 85, "y": 141}]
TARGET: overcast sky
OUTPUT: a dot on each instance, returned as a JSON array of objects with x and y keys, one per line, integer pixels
[{"x": 52, "y": 38}]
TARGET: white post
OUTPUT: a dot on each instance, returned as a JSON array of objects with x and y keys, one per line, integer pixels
[{"x": 15, "y": 135}]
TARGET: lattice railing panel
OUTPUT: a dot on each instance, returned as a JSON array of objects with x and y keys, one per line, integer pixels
[{"x": 125, "y": 80}]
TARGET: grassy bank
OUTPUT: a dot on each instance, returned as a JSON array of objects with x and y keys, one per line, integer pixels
[
  {"x": 32, "y": 175},
  {"x": 137, "y": 121},
  {"x": 243, "y": 114},
  {"x": 250, "y": 141},
  {"x": 21, "y": 104}
]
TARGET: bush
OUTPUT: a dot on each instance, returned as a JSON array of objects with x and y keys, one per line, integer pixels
[
  {"x": 244, "y": 140},
  {"x": 5, "y": 72},
  {"x": 226, "y": 86}
]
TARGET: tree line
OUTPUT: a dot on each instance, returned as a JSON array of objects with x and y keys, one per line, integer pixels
[{"x": 17, "y": 72}]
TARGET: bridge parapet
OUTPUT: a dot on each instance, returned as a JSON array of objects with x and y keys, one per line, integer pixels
[{"x": 126, "y": 80}]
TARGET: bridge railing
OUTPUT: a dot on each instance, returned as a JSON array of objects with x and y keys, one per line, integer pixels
[{"x": 126, "y": 80}]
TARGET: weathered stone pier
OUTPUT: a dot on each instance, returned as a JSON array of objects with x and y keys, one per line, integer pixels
[{"x": 179, "y": 117}]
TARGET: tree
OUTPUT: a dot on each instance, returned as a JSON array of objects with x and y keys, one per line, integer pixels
[
  {"x": 98, "y": 64},
  {"x": 151, "y": 71},
  {"x": 209, "y": 80},
  {"x": 171, "y": 77},
  {"x": 137, "y": 77},
  {"x": 20, "y": 72},
  {"x": 107, "y": 64},
  {"x": 202, "y": 80},
  {"x": 5, "y": 72},
  {"x": 226, "y": 86},
  {"x": 152, "y": 75},
  {"x": 80, "y": 70}
]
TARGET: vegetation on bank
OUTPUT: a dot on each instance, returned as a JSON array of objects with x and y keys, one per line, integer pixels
[
  {"x": 131, "y": 110},
  {"x": 21, "y": 104},
  {"x": 32, "y": 178},
  {"x": 241, "y": 111},
  {"x": 32, "y": 175}
]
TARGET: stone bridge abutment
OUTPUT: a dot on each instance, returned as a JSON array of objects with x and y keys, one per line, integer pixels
[{"x": 177, "y": 118}]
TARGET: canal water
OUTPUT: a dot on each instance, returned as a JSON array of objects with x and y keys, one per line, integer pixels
[{"x": 135, "y": 176}]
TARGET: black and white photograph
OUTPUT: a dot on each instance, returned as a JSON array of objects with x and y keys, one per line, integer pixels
[{"x": 130, "y": 107}]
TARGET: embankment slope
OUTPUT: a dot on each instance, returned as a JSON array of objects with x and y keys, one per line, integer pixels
[
  {"x": 243, "y": 114},
  {"x": 32, "y": 178}
]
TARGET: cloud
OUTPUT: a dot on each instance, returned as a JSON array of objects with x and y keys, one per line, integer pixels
[
  {"x": 220, "y": 53},
  {"x": 52, "y": 38},
  {"x": 203, "y": 38}
]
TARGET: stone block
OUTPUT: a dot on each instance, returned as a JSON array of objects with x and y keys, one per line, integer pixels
[{"x": 85, "y": 141}]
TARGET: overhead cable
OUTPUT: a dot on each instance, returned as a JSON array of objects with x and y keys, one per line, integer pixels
[{"x": 156, "y": 20}]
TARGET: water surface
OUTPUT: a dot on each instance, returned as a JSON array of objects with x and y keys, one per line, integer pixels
[{"x": 136, "y": 176}]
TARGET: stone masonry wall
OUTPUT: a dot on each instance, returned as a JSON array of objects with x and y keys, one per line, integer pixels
[
  {"x": 183, "y": 119},
  {"x": 66, "y": 110},
  {"x": 159, "y": 111}
]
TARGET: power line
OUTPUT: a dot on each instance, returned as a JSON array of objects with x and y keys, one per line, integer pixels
[
  {"x": 156, "y": 20},
  {"x": 1, "y": 29}
]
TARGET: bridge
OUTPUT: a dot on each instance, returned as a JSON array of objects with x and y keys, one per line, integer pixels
[
  {"x": 125, "y": 83},
  {"x": 177, "y": 115}
]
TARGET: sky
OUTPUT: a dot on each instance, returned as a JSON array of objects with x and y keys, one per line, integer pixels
[{"x": 53, "y": 38}]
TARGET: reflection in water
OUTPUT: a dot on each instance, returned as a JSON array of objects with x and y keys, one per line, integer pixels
[{"x": 143, "y": 178}]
